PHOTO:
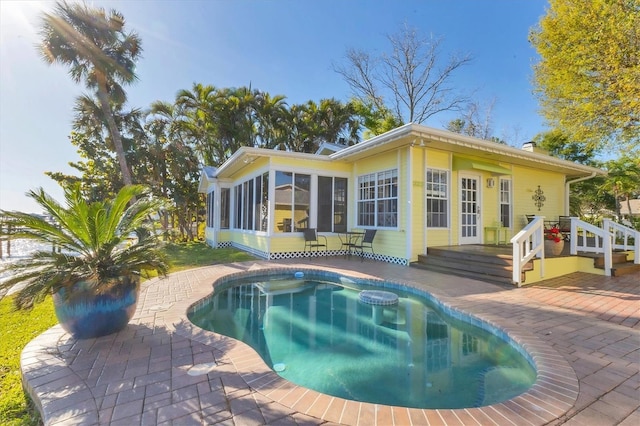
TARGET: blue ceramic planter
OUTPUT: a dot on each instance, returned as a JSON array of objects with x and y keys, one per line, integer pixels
[{"x": 85, "y": 314}]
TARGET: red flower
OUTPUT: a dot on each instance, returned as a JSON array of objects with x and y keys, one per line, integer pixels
[{"x": 554, "y": 234}]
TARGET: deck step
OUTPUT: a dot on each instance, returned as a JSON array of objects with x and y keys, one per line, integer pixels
[
  {"x": 625, "y": 268},
  {"x": 466, "y": 274},
  {"x": 481, "y": 263},
  {"x": 478, "y": 267},
  {"x": 617, "y": 258},
  {"x": 442, "y": 252}
]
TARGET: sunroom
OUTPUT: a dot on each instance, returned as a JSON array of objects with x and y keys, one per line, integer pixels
[{"x": 262, "y": 200}]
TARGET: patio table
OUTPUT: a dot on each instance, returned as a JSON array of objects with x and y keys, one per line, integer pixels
[{"x": 349, "y": 239}]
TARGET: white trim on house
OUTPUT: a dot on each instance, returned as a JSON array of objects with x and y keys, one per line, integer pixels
[
  {"x": 465, "y": 155},
  {"x": 461, "y": 144}
]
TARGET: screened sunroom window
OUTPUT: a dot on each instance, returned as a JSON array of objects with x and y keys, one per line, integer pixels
[
  {"x": 225, "y": 200},
  {"x": 332, "y": 204},
  {"x": 251, "y": 203},
  {"x": 210, "y": 206},
  {"x": 292, "y": 193}
]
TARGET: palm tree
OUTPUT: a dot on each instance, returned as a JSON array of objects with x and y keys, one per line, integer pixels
[
  {"x": 196, "y": 108},
  {"x": 270, "y": 119},
  {"x": 99, "y": 52},
  {"x": 89, "y": 121}
]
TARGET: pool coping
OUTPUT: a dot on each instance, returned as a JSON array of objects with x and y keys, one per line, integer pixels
[{"x": 551, "y": 396}]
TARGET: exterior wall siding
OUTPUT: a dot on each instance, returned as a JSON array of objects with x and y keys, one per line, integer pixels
[
  {"x": 416, "y": 211},
  {"x": 441, "y": 160},
  {"x": 410, "y": 237},
  {"x": 389, "y": 242},
  {"x": 525, "y": 184}
]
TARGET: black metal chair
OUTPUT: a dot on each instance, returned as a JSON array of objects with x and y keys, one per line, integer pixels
[
  {"x": 564, "y": 225},
  {"x": 311, "y": 241},
  {"x": 366, "y": 243}
]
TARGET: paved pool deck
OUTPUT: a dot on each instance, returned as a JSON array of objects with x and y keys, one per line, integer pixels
[{"x": 582, "y": 330}]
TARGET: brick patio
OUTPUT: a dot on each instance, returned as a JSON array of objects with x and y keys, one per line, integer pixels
[{"x": 582, "y": 330}]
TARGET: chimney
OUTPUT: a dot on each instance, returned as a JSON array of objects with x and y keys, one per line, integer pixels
[{"x": 531, "y": 146}]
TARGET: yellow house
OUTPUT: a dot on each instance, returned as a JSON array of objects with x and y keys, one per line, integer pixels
[{"x": 419, "y": 187}]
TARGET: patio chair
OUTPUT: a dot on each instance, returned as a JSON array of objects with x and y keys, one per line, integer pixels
[
  {"x": 311, "y": 241},
  {"x": 564, "y": 225},
  {"x": 366, "y": 243}
]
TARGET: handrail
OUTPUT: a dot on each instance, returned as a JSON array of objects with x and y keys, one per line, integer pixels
[
  {"x": 528, "y": 243},
  {"x": 600, "y": 242},
  {"x": 624, "y": 233}
]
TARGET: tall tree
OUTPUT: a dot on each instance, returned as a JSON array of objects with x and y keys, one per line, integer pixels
[
  {"x": 271, "y": 112},
  {"x": 586, "y": 200},
  {"x": 375, "y": 120},
  {"x": 311, "y": 123},
  {"x": 196, "y": 107},
  {"x": 99, "y": 52},
  {"x": 623, "y": 180},
  {"x": 412, "y": 80},
  {"x": 588, "y": 77},
  {"x": 475, "y": 120},
  {"x": 560, "y": 145}
]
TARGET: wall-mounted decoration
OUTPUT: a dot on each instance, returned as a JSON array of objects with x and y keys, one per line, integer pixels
[{"x": 538, "y": 198}]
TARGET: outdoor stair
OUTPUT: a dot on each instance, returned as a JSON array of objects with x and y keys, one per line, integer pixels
[
  {"x": 621, "y": 266},
  {"x": 482, "y": 264}
]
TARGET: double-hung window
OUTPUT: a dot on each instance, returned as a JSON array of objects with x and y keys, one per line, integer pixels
[
  {"x": 378, "y": 199},
  {"x": 505, "y": 202},
  {"x": 437, "y": 198}
]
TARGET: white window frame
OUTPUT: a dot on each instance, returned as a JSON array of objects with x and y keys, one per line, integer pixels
[
  {"x": 446, "y": 197},
  {"x": 508, "y": 203},
  {"x": 374, "y": 189}
]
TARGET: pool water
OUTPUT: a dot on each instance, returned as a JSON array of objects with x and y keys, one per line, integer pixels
[{"x": 317, "y": 333}]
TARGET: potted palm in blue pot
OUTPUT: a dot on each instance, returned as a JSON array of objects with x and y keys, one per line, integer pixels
[{"x": 90, "y": 264}]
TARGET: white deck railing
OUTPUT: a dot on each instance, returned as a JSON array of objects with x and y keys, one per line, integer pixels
[
  {"x": 589, "y": 238},
  {"x": 585, "y": 237},
  {"x": 527, "y": 244},
  {"x": 622, "y": 236}
]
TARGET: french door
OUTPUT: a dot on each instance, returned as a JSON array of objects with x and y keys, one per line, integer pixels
[{"x": 470, "y": 209}]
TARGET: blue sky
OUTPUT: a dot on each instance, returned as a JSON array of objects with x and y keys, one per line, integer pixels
[{"x": 282, "y": 47}]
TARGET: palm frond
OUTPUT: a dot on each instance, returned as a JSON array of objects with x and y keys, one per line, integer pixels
[{"x": 90, "y": 240}]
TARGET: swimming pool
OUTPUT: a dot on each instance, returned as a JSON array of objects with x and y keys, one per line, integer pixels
[{"x": 315, "y": 331}]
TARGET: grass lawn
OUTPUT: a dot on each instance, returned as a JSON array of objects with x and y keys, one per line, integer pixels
[{"x": 19, "y": 327}]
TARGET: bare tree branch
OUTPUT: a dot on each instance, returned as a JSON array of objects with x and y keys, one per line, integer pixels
[{"x": 410, "y": 80}]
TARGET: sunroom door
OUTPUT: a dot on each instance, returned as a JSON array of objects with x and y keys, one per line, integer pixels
[{"x": 470, "y": 209}]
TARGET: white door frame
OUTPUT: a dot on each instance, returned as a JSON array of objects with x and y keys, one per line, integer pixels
[{"x": 470, "y": 209}]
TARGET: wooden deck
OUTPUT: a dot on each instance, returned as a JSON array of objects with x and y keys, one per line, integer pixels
[{"x": 494, "y": 263}]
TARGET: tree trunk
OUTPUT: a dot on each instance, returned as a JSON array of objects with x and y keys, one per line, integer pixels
[{"x": 114, "y": 132}]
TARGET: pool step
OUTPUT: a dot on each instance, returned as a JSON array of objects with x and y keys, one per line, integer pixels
[{"x": 491, "y": 265}]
